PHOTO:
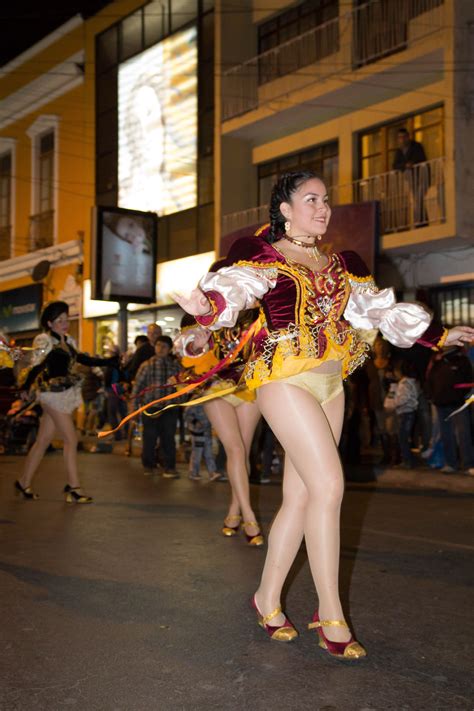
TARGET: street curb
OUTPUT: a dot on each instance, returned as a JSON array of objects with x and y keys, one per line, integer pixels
[{"x": 422, "y": 479}]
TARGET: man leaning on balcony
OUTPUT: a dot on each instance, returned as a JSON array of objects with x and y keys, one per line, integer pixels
[{"x": 409, "y": 154}]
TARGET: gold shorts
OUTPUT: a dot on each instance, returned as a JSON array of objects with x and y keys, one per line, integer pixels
[
  {"x": 238, "y": 397},
  {"x": 324, "y": 387}
]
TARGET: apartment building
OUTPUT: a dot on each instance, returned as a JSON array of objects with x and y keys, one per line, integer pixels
[
  {"x": 327, "y": 84},
  {"x": 45, "y": 180}
]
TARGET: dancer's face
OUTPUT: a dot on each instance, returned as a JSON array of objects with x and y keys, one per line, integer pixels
[
  {"x": 60, "y": 324},
  {"x": 308, "y": 210}
]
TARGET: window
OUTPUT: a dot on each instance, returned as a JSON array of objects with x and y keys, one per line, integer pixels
[
  {"x": 453, "y": 305},
  {"x": 5, "y": 205},
  {"x": 46, "y": 172},
  {"x": 291, "y": 24},
  {"x": 43, "y": 135},
  {"x": 381, "y": 27},
  {"x": 409, "y": 198},
  {"x": 323, "y": 160},
  {"x": 377, "y": 146}
]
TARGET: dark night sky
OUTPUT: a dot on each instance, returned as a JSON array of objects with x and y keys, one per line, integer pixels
[{"x": 22, "y": 24}]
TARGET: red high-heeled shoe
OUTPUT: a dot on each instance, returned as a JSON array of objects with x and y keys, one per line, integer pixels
[
  {"x": 350, "y": 650},
  {"x": 255, "y": 539},
  {"x": 282, "y": 633},
  {"x": 231, "y": 530}
]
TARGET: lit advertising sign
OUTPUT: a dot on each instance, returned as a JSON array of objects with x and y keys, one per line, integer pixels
[
  {"x": 20, "y": 308},
  {"x": 124, "y": 255},
  {"x": 158, "y": 126}
]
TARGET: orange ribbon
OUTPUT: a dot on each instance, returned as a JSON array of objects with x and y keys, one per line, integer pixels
[{"x": 192, "y": 386}]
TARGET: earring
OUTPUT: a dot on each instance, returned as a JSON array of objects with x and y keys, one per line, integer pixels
[
  {"x": 320, "y": 238},
  {"x": 287, "y": 227}
]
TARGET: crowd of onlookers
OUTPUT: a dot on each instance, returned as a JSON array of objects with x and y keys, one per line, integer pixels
[
  {"x": 408, "y": 403},
  {"x": 399, "y": 412}
]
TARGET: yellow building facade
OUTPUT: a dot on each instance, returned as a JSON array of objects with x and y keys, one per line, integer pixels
[{"x": 327, "y": 85}]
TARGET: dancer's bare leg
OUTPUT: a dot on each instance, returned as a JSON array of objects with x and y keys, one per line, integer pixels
[
  {"x": 248, "y": 416},
  {"x": 35, "y": 455},
  {"x": 67, "y": 430},
  {"x": 227, "y": 423},
  {"x": 312, "y": 497}
]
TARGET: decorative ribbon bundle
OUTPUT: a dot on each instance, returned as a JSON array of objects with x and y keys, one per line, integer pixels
[{"x": 191, "y": 386}]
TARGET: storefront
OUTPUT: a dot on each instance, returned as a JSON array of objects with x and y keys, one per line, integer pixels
[{"x": 106, "y": 328}]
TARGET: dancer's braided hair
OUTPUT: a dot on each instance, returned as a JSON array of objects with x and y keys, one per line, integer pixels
[{"x": 282, "y": 191}]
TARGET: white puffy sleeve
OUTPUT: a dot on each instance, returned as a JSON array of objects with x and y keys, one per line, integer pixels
[
  {"x": 42, "y": 345},
  {"x": 400, "y": 323},
  {"x": 233, "y": 289}
]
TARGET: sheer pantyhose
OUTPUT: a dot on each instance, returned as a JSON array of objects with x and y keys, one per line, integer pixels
[
  {"x": 235, "y": 428},
  {"x": 53, "y": 421},
  {"x": 313, "y": 487}
]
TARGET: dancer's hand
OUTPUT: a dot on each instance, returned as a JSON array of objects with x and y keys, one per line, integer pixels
[
  {"x": 459, "y": 335},
  {"x": 200, "y": 341},
  {"x": 196, "y": 304}
]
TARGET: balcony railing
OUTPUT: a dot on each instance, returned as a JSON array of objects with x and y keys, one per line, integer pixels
[
  {"x": 240, "y": 84},
  {"x": 409, "y": 199},
  {"x": 5, "y": 242},
  {"x": 379, "y": 28},
  {"x": 41, "y": 230},
  {"x": 382, "y": 27}
]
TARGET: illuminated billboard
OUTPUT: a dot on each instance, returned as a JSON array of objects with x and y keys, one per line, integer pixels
[
  {"x": 158, "y": 126},
  {"x": 124, "y": 255}
]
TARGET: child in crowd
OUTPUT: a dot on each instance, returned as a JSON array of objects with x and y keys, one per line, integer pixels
[
  {"x": 406, "y": 405},
  {"x": 199, "y": 428}
]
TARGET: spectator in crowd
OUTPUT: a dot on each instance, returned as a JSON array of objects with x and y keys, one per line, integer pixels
[
  {"x": 376, "y": 367},
  {"x": 116, "y": 406},
  {"x": 145, "y": 349},
  {"x": 92, "y": 395},
  {"x": 447, "y": 370},
  {"x": 391, "y": 419},
  {"x": 406, "y": 404},
  {"x": 355, "y": 389},
  {"x": 410, "y": 153},
  {"x": 150, "y": 384},
  {"x": 200, "y": 430}
]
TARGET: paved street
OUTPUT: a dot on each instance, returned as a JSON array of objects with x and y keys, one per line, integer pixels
[{"x": 137, "y": 603}]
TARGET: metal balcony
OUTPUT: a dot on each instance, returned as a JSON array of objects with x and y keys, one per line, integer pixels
[
  {"x": 409, "y": 199},
  {"x": 41, "y": 230},
  {"x": 374, "y": 30},
  {"x": 382, "y": 27}
]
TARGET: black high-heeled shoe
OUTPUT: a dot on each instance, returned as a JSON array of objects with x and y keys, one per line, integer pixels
[
  {"x": 27, "y": 493},
  {"x": 72, "y": 497}
]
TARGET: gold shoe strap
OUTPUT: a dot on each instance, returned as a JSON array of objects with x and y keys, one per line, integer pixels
[
  {"x": 273, "y": 614},
  {"x": 233, "y": 517},
  {"x": 327, "y": 623},
  {"x": 250, "y": 523}
]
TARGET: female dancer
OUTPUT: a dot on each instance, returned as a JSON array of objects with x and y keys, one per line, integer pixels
[
  {"x": 58, "y": 391},
  {"x": 310, "y": 306},
  {"x": 234, "y": 417}
]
